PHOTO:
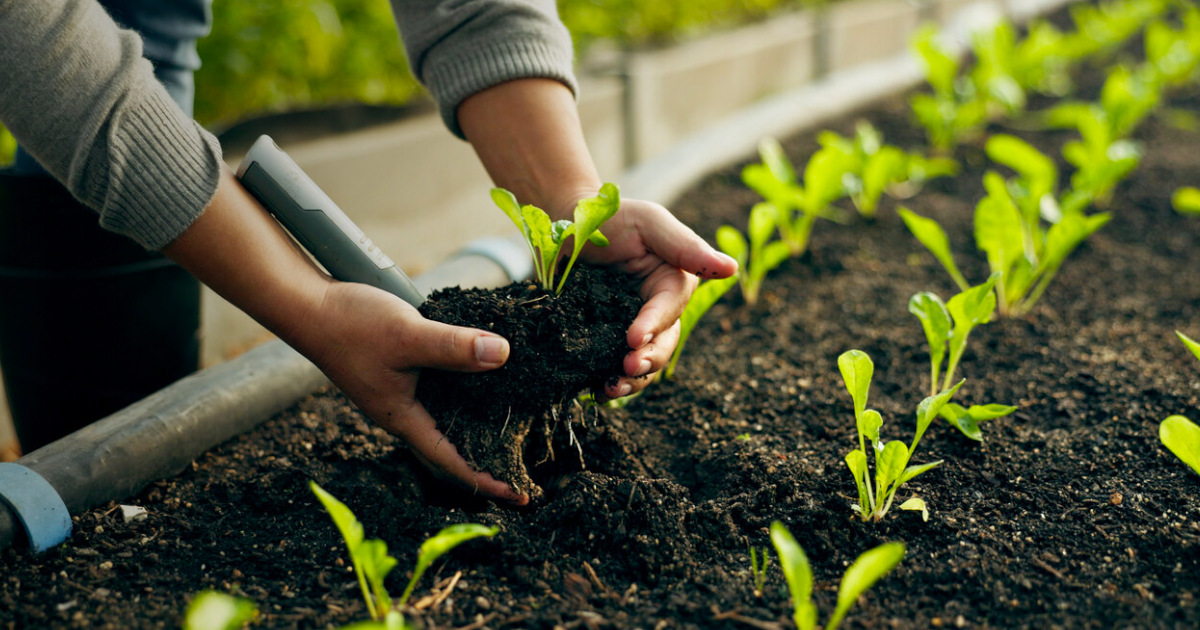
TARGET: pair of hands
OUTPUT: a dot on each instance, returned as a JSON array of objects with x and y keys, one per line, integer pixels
[{"x": 646, "y": 241}]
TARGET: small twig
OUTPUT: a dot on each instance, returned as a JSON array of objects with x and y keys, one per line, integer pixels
[
  {"x": 432, "y": 600},
  {"x": 736, "y": 615},
  {"x": 479, "y": 623},
  {"x": 1048, "y": 569},
  {"x": 536, "y": 299},
  {"x": 591, "y": 573}
]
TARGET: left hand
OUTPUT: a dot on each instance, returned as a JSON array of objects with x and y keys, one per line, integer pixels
[{"x": 649, "y": 243}]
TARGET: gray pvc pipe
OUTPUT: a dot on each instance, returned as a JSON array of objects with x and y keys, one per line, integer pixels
[{"x": 162, "y": 434}]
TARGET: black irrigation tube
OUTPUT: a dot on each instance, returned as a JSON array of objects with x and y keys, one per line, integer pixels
[{"x": 162, "y": 434}]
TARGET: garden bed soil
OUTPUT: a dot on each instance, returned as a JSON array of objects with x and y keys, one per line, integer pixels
[{"x": 1069, "y": 515}]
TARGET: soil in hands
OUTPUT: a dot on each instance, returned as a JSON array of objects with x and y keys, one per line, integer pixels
[
  {"x": 1069, "y": 515},
  {"x": 560, "y": 345}
]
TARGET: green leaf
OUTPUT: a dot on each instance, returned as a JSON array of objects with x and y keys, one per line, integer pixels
[
  {"x": 212, "y": 610},
  {"x": 862, "y": 575},
  {"x": 856, "y": 461},
  {"x": 731, "y": 241},
  {"x": 508, "y": 203},
  {"x": 372, "y": 556},
  {"x": 1064, "y": 236},
  {"x": 857, "y": 368},
  {"x": 1186, "y": 200},
  {"x": 590, "y": 214},
  {"x": 439, "y": 544},
  {"x": 823, "y": 179},
  {"x": 912, "y": 471},
  {"x": 703, "y": 298},
  {"x": 975, "y": 305},
  {"x": 931, "y": 235},
  {"x": 1039, "y": 173},
  {"x": 1182, "y": 437},
  {"x": 541, "y": 235},
  {"x": 956, "y": 415},
  {"x": 343, "y": 518},
  {"x": 1190, "y": 343},
  {"x": 935, "y": 321},
  {"x": 998, "y": 230},
  {"x": 889, "y": 466},
  {"x": 940, "y": 67},
  {"x": 915, "y": 504},
  {"x": 869, "y": 424},
  {"x": 885, "y": 167},
  {"x": 776, "y": 161},
  {"x": 797, "y": 573},
  {"x": 761, "y": 225},
  {"x": 928, "y": 409}
]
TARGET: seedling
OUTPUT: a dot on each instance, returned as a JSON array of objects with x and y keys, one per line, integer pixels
[
  {"x": 1179, "y": 434},
  {"x": 1009, "y": 230},
  {"x": 213, "y": 610},
  {"x": 1186, "y": 200},
  {"x": 892, "y": 469},
  {"x": 863, "y": 573},
  {"x": 947, "y": 327},
  {"x": 952, "y": 114},
  {"x": 757, "y": 255},
  {"x": 703, "y": 298},
  {"x": 994, "y": 70},
  {"x": 546, "y": 238},
  {"x": 759, "y": 571},
  {"x": 797, "y": 206},
  {"x": 372, "y": 563}
]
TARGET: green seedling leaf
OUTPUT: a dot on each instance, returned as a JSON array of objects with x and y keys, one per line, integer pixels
[
  {"x": 776, "y": 161},
  {"x": 935, "y": 321},
  {"x": 928, "y": 409},
  {"x": 857, "y": 368},
  {"x": 998, "y": 231},
  {"x": 590, "y": 214},
  {"x": 368, "y": 557},
  {"x": 731, "y": 241},
  {"x": 1190, "y": 343},
  {"x": 869, "y": 424},
  {"x": 885, "y": 167},
  {"x": 1186, "y": 200},
  {"x": 393, "y": 621},
  {"x": 931, "y": 235},
  {"x": 916, "y": 505},
  {"x": 862, "y": 575},
  {"x": 856, "y": 461},
  {"x": 212, "y": 610},
  {"x": 1038, "y": 171},
  {"x": 967, "y": 420},
  {"x": 703, "y": 298},
  {"x": 940, "y": 67},
  {"x": 508, "y": 203},
  {"x": 968, "y": 309},
  {"x": 372, "y": 556},
  {"x": 889, "y": 466},
  {"x": 1182, "y": 437},
  {"x": 912, "y": 471},
  {"x": 797, "y": 573},
  {"x": 439, "y": 544}
]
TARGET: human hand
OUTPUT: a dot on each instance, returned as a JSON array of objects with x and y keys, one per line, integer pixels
[
  {"x": 649, "y": 243},
  {"x": 372, "y": 345}
]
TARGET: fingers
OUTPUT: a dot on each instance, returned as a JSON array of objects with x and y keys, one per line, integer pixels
[
  {"x": 642, "y": 364},
  {"x": 679, "y": 246},
  {"x": 666, "y": 291},
  {"x": 436, "y": 345},
  {"x": 443, "y": 460}
]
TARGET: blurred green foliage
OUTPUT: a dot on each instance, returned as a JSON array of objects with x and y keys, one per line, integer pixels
[
  {"x": 635, "y": 23},
  {"x": 8, "y": 146}
]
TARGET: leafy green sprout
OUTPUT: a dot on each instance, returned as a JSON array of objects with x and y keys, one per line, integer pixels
[
  {"x": 863, "y": 573},
  {"x": 213, "y": 610},
  {"x": 873, "y": 167},
  {"x": 891, "y": 459},
  {"x": 947, "y": 327},
  {"x": 757, "y": 255},
  {"x": 1186, "y": 200},
  {"x": 372, "y": 563},
  {"x": 797, "y": 206},
  {"x": 758, "y": 570},
  {"x": 1178, "y": 433},
  {"x": 952, "y": 113},
  {"x": 545, "y": 238}
]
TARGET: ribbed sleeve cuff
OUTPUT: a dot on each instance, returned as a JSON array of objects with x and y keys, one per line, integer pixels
[
  {"x": 163, "y": 170},
  {"x": 452, "y": 77}
]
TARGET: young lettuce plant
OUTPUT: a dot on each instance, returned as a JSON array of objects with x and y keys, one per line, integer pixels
[
  {"x": 213, "y": 610},
  {"x": 546, "y": 238},
  {"x": 947, "y": 326},
  {"x": 756, "y": 255},
  {"x": 372, "y": 562},
  {"x": 759, "y": 570},
  {"x": 952, "y": 113},
  {"x": 864, "y": 572},
  {"x": 1178, "y": 433},
  {"x": 797, "y": 206},
  {"x": 994, "y": 70},
  {"x": 891, "y": 459},
  {"x": 1009, "y": 230}
]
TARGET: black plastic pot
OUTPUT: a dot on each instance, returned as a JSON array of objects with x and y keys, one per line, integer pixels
[{"x": 90, "y": 322}]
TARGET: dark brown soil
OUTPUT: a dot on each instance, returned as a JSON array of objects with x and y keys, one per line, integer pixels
[
  {"x": 560, "y": 345},
  {"x": 1069, "y": 515}
]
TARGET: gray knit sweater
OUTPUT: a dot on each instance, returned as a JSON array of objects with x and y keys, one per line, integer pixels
[{"x": 77, "y": 94}]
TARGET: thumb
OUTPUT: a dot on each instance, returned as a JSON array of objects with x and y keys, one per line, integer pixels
[{"x": 456, "y": 348}]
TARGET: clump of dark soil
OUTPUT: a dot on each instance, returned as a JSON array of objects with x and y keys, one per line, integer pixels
[
  {"x": 1070, "y": 514},
  {"x": 559, "y": 345}
]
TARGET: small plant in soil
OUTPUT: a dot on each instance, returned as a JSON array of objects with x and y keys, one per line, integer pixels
[
  {"x": 891, "y": 459},
  {"x": 952, "y": 113},
  {"x": 213, "y": 610},
  {"x": 863, "y": 573},
  {"x": 1186, "y": 200},
  {"x": 758, "y": 570},
  {"x": 797, "y": 206},
  {"x": 1178, "y": 433},
  {"x": 947, "y": 326},
  {"x": 372, "y": 562},
  {"x": 703, "y": 298},
  {"x": 756, "y": 255}
]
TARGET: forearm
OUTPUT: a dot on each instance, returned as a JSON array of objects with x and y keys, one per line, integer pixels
[
  {"x": 240, "y": 252},
  {"x": 528, "y": 136}
]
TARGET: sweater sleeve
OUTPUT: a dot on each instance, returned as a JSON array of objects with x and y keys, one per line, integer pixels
[
  {"x": 460, "y": 47},
  {"x": 81, "y": 99}
]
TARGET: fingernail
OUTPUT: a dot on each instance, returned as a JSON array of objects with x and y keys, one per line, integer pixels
[
  {"x": 624, "y": 390},
  {"x": 643, "y": 367},
  {"x": 646, "y": 339},
  {"x": 491, "y": 350}
]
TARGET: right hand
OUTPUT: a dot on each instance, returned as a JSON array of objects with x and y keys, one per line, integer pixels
[{"x": 372, "y": 345}]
